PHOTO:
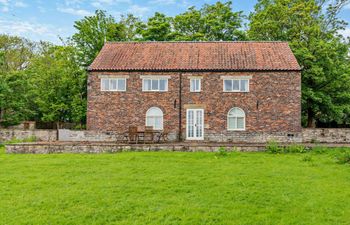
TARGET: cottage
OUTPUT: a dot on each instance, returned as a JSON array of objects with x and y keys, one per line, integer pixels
[{"x": 211, "y": 91}]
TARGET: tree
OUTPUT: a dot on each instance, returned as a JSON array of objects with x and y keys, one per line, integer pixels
[
  {"x": 210, "y": 23},
  {"x": 15, "y": 55},
  {"x": 132, "y": 27},
  {"x": 60, "y": 85},
  {"x": 93, "y": 32},
  {"x": 312, "y": 33},
  {"x": 158, "y": 28}
]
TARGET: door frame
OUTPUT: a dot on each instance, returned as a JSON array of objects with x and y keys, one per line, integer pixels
[{"x": 194, "y": 130}]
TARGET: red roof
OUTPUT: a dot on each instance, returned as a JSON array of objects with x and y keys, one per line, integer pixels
[{"x": 195, "y": 56}]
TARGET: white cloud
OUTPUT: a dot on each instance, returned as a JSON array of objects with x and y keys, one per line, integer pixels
[
  {"x": 346, "y": 32},
  {"x": 104, "y": 3},
  {"x": 138, "y": 10},
  {"x": 20, "y": 4},
  {"x": 76, "y": 12},
  {"x": 6, "y": 5},
  {"x": 41, "y": 9},
  {"x": 31, "y": 30},
  {"x": 162, "y": 2}
]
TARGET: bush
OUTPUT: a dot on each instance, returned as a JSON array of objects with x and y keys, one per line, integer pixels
[
  {"x": 222, "y": 152},
  {"x": 307, "y": 158},
  {"x": 273, "y": 147},
  {"x": 343, "y": 157},
  {"x": 15, "y": 140},
  {"x": 294, "y": 148}
]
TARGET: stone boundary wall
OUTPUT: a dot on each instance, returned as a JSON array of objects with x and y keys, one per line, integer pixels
[
  {"x": 40, "y": 135},
  {"x": 313, "y": 135},
  {"x": 326, "y": 135},
  {"x": 92, "y": 136},
  {"x": 254, "y": 137},
  {"x": 244, "y": 137},
  {"x": 85, "y": 147}
]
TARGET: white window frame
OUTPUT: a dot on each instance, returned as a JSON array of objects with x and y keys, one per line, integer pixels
[
  {"x": 158, "y": 79},
  {"x": 244, "y": 119},
  {"x": 110, "y": 81},
  {"x": 239, "y": 83},
  {"x": 162, "y": 118},
  {"x": 195, "y": 88}
]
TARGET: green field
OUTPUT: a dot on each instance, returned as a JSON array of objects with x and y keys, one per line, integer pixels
[{"x": 174, "y": 188}]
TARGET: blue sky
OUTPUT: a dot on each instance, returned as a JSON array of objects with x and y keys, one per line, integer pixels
[{"x": 49, "y": 20}]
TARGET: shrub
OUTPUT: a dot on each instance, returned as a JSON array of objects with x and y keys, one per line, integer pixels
[
  {"x": 307, "y": 158},
  {"x": 294, "y": 148},
  {"x": 319, "y": 149},
  {"x": 15, "y": 140},
  {"x": 343, "y": 157},
  {"x": 273, "y": 147},
  {"x": 222, "y": 152}
]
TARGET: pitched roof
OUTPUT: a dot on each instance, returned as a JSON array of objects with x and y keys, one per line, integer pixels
[{"x": 195, "y": 56}]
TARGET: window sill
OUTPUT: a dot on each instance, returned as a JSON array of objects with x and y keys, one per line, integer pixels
[
  {"x": 112, "y": 91},
  {"x": 236, "y": 129}
]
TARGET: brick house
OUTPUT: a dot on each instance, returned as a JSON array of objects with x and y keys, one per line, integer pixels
[{"x": 212, "y": 91}]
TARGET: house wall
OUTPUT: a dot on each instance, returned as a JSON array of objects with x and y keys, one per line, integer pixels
[{"x": 272, "y": 105}]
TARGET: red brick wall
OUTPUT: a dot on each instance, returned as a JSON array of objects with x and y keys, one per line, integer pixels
[{"x": 271, "y": 105}]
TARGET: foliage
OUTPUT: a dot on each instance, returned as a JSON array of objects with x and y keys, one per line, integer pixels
[
  {"x": 172, "y": 188},
  {"x": 15, "y": 54},
  {"x": 343, "y": 157},
  {"x": 274, "y": 147},
  {"x": 60, "y": 85},
  {"x": 221, "y": 152},
  {"x": 158, "y": 28},
  {"x": 307, "y": 158},
  {"x": 295, "y": 148},
  {"x": 93, "y": 32},
  {"x": 216, "y": 22},
  {"x": 311, "y": 29}
]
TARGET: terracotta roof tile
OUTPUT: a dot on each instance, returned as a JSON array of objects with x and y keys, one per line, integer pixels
[{"x": 195, "y": 56}]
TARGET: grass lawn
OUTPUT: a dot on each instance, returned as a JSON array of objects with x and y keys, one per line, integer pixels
[{"x": 174, "y": 188}]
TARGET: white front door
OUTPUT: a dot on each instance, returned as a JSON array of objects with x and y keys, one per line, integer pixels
[{"x": 195, "y": 124}]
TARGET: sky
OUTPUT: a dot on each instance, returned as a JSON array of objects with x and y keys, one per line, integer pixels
[{"x": 51, "y": 20}]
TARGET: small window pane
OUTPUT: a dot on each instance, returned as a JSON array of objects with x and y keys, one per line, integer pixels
[
  {"x": 192, "y": 85},
  {"x": 240, "y": 123},
  {"x": 162, "y": 85},
  {"x": 113, "y": 84},
  {"x": 195, "y": 85},
  {"x": 231, "y": 123},
  {"x": 198, "y": 84},
  {"x": 155, "y": 84},
  {"x": 228, "y": 85},
  {"x": 235, "y": 85},
  {"x": 105, "y": 84},
  {"x": 157, "y": 123},
  {"x": 147, "y": 84},
  {"x": 244, "y": 85},
  {"x": 121, "y": 85}
]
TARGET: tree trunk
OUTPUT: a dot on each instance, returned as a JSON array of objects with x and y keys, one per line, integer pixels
[{"x": 310, "y": 118}]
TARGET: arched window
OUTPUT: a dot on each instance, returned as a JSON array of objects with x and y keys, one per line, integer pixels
[
  {"x": 154, "y": 118},
  {"x": 236, "y": 119}
]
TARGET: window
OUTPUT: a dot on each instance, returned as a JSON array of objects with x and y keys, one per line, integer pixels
[
  {"x": 236, "y": 85},
  {"x": 154, "y": 118},
  {"x": 195, "y": 85},
  {"x": 155, "y": 84},
  {"x": 113, "y": 84},
  {"x": 236, "y": 119}
]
